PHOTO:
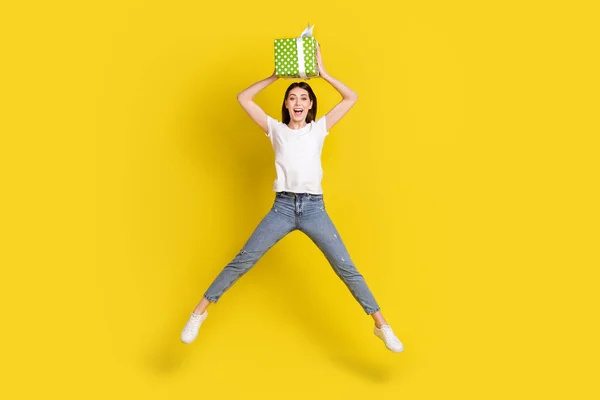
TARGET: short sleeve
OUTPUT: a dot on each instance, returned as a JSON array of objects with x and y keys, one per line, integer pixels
[
  {"x": 270, "y": 126},
  {"x": 322, "y": 125}
]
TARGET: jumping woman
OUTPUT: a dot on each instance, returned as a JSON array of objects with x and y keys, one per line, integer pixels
[{"x": 297, "y": 141}]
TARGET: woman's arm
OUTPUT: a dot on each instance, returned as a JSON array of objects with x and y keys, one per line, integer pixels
[
  {"x": 246, "y": 97},
  {"x": 349, "y": 97}
]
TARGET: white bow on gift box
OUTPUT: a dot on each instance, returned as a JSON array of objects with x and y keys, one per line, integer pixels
[{"x": 306, "y": 33}]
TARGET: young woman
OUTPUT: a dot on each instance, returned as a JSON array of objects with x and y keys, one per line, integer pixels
[{"x": 297, "y": 141}]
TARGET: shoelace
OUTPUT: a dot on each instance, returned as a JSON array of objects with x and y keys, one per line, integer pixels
[
  {"x": 388, "y": 333},
  {"x": 194, "y": 320}
]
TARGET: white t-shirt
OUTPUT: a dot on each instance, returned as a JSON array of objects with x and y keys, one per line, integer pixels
[{"x": 298, "y": 156}]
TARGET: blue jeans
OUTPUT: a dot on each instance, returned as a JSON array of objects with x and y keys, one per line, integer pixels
[{"x": 305, "y": 212}]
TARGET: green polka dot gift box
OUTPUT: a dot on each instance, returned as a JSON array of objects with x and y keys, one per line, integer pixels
[{"x": 297, "y": 57}]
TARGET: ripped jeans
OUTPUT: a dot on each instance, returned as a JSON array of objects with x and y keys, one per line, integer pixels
[{"x": 305, "y": 212}]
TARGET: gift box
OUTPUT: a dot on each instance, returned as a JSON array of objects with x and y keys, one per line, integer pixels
[{"x": 297, "y": 57}]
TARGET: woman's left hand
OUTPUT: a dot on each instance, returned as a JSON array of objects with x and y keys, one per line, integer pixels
[{"x": 320, "y": 66}]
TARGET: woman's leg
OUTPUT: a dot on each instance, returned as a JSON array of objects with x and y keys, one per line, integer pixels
[
  {"x": 317, "y": 225},
  {"x": 202, "y": 306},
  {"x": 378, "y": 318},
  {"x": 273, "y": 227}
]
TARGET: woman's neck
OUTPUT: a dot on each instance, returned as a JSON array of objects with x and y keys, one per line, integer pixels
[{"x": 296, "y": 125}]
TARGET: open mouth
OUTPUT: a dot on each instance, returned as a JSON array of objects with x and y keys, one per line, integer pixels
[{"x": 298, "y": 111}]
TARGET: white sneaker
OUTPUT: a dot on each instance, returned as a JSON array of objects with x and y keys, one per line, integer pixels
[
  {"x": 391, "y": 341},
  {"x": 190, "y": 331}
]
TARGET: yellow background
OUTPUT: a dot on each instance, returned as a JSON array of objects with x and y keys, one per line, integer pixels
[{"x": 464, "y": 183}]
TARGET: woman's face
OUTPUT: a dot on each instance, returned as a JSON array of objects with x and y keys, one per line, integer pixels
[{"x": 298, "y": 103}]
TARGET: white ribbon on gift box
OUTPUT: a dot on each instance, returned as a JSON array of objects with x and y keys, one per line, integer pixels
[{"x": 300, "y": 49}]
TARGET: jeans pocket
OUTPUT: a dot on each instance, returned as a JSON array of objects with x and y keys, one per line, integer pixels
[{"x": 319, "y": 203}]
